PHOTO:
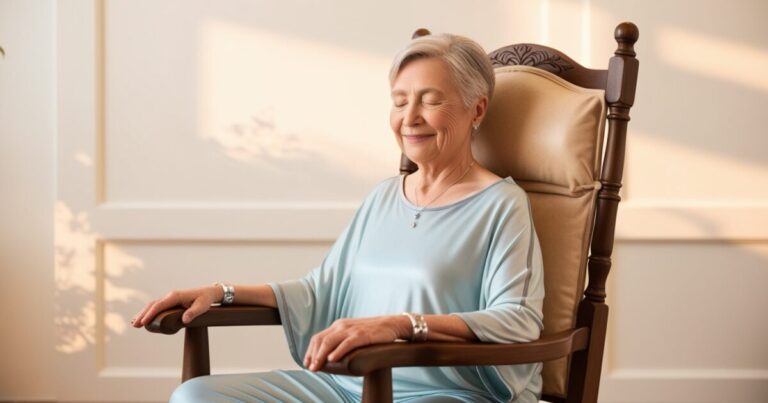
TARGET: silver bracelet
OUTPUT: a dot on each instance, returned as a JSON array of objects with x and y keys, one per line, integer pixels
[
  {"x": 229, "y": 293},
  {"x": 420, "y": 329}
]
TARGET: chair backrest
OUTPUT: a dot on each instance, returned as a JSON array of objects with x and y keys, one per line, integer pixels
[
  {"x": 545, "y": 128},
  {"x": 547, "y": 134}
]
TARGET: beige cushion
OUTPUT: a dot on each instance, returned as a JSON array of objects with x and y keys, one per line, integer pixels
[
  {"x": 562, "y": 225},
  {"x": 547, "y": 134},
  {"x": 548, "y": 129}
]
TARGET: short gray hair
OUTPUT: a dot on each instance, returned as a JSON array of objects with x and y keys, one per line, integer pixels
[{"x": 468, "y": 63}]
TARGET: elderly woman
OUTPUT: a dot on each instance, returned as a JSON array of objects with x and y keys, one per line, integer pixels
[{"x": 447, "y": 253}]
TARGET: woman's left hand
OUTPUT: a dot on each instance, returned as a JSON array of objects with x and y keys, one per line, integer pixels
[{"x": 345, "y": 335}]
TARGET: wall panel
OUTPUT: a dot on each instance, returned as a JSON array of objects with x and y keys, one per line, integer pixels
[{"x": 197, "y": 140}]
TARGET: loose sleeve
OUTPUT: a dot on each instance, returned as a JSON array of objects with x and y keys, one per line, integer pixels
[
  {"x": 311, "y": 304},
  {"x": 512, "y": 286}
]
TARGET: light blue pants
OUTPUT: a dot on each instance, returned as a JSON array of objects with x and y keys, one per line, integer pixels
[{"x": 283, "y": 386}]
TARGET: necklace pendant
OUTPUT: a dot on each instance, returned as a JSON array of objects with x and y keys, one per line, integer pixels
[
  {"x": 415, "y": 219},
  {"x": 416, "y": 195}
]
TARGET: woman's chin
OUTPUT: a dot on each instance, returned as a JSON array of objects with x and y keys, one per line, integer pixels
[{"x": 416, "y": 156}]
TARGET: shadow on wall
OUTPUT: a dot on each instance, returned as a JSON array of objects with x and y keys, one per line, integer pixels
[
  {"x": 714, "y": 88},
  {"x": 86, "y": 295},
  {"x": 292, "y": 106},
  {"x": 701, "y": 74},
  {"x": 702, "y": 83},
  {"x": 701, "y": 90},
  {"x": 259, "y": 139}
]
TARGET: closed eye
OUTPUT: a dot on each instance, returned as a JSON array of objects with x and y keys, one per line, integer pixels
[
  {"x": 431, "y": 100},
  {"x": 399, "y": 101}
]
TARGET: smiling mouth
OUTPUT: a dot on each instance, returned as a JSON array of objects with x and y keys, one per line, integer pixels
[{"x": 417, "y": 138}]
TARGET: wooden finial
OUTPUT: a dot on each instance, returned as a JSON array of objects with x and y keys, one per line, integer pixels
[
  {"x": 626, "y": 35},
  {"x": 420, "y": 32}
]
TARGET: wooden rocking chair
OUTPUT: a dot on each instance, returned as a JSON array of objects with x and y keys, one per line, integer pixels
[{"x": 545, "y": 128}]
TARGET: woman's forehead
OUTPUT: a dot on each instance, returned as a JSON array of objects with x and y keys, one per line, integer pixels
[{"x": 422, "y": 74}]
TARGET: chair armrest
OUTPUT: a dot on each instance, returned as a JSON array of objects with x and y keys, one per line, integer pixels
[
  {"x": 169, "y": 321},
  {"x": 367, "y": 359}
]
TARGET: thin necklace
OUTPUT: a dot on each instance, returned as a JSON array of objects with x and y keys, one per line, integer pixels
[{"x": 416, "y": 196}]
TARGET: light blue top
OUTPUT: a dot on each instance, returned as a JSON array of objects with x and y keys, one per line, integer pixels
[{"x": 477, "y": 258}]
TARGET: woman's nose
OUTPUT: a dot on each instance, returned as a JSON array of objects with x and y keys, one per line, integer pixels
[{"x": 412, "y": 115}]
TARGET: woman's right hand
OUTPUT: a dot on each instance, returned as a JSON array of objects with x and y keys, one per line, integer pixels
[{"x": 196, "y": 300}]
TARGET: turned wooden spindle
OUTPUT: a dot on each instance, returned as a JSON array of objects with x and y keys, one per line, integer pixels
[{"x": 620, "y": 95}]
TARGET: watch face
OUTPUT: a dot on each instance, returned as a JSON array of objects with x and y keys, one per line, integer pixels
[{"x": 229, "y": 294}]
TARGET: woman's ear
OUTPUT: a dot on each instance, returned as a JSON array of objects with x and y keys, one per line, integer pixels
[{"x": 481, "y": 107}]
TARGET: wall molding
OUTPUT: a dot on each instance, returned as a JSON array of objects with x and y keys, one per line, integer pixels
[
  {"x": 659, "y": 220},
  {"x": 692, "y": 221},
  {"x": 684, "y": 385},
  {"x": 687, "y": 373},
  {"x": 168, "y": 372}
]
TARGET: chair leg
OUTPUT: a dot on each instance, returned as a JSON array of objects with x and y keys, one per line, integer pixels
[
  {"x": 377, "y": 386},
  {"x": 196, "y": 357},
  {"x": 586, "y": 365}
]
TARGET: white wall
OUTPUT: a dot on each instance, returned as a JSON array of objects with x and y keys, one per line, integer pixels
[
  {"x": 27, "y": 160},
  {"x": 171, "y": 120}
]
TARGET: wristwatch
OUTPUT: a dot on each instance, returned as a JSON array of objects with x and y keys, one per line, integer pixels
[
  {"x": 229, "y": 293},
  {"x": 420, "y": 329}
]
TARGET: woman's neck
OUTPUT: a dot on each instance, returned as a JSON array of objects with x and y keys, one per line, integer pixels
[{"x": 434, "y": 178}]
